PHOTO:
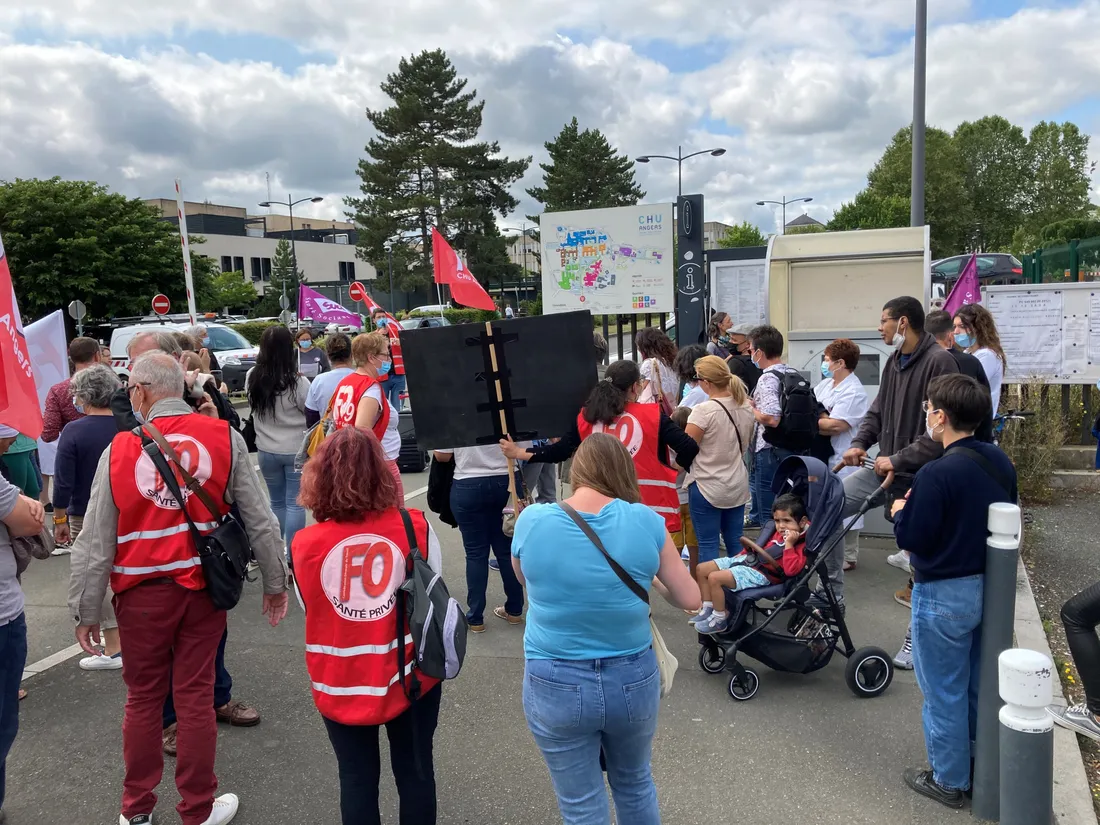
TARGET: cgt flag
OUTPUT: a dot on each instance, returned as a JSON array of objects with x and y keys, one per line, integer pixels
[
  {"x": 315, "y": 306},
  {"x": 966, "y": 290},
  {"x": 372, "y": 305},
  {"x": 450, "y": 270},
  {"x": 18, "y": 395}
]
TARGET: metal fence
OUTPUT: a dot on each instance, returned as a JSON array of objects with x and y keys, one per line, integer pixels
[{"x": 1078, "y": 260}]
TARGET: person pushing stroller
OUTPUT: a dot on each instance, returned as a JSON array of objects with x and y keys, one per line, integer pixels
[{"x": 783, "y": 557}]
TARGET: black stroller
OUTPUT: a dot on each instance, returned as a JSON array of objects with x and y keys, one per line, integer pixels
[{"x": 806, "y": 641}]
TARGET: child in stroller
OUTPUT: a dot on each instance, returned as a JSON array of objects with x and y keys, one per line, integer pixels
[{"x": 781, "y": 558}]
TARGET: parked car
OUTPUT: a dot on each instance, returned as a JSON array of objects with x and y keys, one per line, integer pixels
[
  {"x": 424, "y": 323},
  {"x": 235, "y": 355},
  {"x": 429, "y": 309}
]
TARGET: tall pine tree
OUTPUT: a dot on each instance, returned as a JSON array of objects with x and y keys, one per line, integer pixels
[
  {"x": 585, "y": 172},
  {"x": 426, "y": 168},
  {"x": 282, "y": 273}
]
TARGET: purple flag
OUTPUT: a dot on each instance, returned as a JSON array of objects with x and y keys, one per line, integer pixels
[
  {"x": 315, "y": 306},
  {"x": 966, "y": 289}
]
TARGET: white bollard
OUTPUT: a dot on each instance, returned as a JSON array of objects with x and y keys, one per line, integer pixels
[{"x": 1027, "y": 738}]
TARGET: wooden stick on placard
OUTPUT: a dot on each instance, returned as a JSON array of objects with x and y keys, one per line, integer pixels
[{"x": 503, "y": 418}]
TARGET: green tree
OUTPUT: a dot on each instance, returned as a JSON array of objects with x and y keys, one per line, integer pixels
[
  {"x": 742, "y": 234},
  {"x": 426, "y": 167},
  {"x": 585, "y": 172},
  {"x": 995, "y": 161},
  {"x": 806, "y": 229},
  {"x": 1059, "y": 174},
  {"x": 947, "y": 204},
  {"x": 871, "y": 211},
  {"x": 232, "y": 290},
  {"x": 282, "y": 273},
  {"x": 487, "y": 256},
  {"x": 76, "y": 239}
]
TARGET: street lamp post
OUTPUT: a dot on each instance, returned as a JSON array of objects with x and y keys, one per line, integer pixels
[
  {"x": 388, "y": 245},
  {"x": 680, "y": 158},
  {"x": 784, "y": 203},
  {"x": 290, "y": 203}
]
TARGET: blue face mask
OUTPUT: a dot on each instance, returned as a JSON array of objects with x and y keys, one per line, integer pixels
[
  {"x": 384, "y": 367},
  {"x": 381, "y": 322},
  {"x": 825, "y": 371},
  {"x": 206, "y": 341},
  {"x": 964, "y": 340},
  {"x": 305, "y": 344}
]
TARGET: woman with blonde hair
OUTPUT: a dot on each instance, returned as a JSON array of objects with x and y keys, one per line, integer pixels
[
  {"x": 718, "y": 482},
  {"x": 976, "y": 333},
  {"x": 591, "y": 680},
  {"x": 358, "y": 400}
]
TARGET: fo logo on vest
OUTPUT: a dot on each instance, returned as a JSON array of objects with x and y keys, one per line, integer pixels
[
  {"x": 625, "y": 428},
  {"x": 360, "y": 577},
  {"x": 193, "y": 455},
  {"x": 343, "y": 410}
]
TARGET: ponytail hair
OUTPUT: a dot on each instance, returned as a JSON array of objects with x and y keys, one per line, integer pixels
[{"x": 608, "y": 400}]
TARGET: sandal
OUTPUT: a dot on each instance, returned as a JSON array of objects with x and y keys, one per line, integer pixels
[
  {"x": 849, "y": 565},
  {"x": 501, "y": 613},
  {"x": 22, "y": 694}
]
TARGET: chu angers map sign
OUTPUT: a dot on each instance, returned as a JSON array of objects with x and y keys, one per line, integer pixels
[{"x": 608, "y": 261}]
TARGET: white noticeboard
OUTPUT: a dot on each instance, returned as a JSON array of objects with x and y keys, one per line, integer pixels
[
  {"x": 1049, "y": 332},
  {"x": 740, "y": 289},
  {"x": 609, "y": 261}
]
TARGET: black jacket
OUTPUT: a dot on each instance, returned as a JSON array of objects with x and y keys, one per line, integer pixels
[{"x": 969, "y": 365}]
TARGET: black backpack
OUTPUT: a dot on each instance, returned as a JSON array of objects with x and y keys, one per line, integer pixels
[{"x": 797, "y": 414}]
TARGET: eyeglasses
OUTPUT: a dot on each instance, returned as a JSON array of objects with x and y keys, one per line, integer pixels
[
  {"x": 131, "y": 387},
  {"x": 927, "y": 407}
]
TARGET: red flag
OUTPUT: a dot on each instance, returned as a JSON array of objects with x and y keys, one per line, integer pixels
[
  {"x": 372, "y": 305},
  {"x": 450, "y": 270},
  {"x": 966, "y": 290},
  {"x": 18, "y": 397}
]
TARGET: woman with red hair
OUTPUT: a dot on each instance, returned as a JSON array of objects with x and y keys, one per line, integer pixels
[{"x": 347, "y": 568}]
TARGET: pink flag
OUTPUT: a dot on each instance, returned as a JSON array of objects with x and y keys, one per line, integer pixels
[
  {"x": 315, "y": 306},
  {"x": 966, "y": 289}
]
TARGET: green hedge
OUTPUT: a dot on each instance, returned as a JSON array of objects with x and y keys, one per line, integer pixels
[
  {"x": 461, "y": 316},
  {"x": 252, "y": 330}
]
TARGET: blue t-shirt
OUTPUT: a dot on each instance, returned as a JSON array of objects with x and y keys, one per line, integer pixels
[
  {"x": 81, "y": 444},
  {"x": 577, "y": 608},
  {"x": 323, "y": 386}
]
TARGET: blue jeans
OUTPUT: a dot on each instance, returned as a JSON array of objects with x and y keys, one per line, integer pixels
[
  {"x": 13, "y": 658},
  {"x": 711, "y": 521},
  {"x": 223, "y": 685},
  {"x": 576, "y": 708},
  {"x": 764, "y": 465},
  {"x": 394, "y": 386},
  {"x": 282, "y": 488},
  {"x": 477, "y": 504},
  {"x": 947, "y": 646}
]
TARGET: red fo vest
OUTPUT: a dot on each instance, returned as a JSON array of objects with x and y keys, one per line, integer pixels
[
  {"x": 345, "y": 403},
  {"x": 393, "y": 331},
  {"x": 348, "y": 574},
  {"x": 154, "y": 540},
  {"x": 637, "y": 428}
]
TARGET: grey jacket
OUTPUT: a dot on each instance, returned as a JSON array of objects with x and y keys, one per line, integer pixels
[{"x": 94, "y": 549}]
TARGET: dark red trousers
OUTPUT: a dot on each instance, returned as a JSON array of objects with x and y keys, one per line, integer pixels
[{"x": 168, "y": 632}]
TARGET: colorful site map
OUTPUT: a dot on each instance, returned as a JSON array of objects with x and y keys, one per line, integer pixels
[{"x": 608, "y": 260}]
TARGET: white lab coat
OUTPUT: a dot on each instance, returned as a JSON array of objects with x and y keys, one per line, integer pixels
[{"x": 846, "y": 401}]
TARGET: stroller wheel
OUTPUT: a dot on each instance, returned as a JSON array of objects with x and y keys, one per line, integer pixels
[
  {"x": 869, "y": 672},
  {"x": 743, "y": 688},
  {"x": 712, "y": 659}
]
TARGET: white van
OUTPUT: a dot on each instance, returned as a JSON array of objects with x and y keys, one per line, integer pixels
[{"x": 235, "y": 355}]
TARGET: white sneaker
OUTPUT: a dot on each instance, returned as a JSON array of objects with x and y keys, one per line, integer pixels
[
  {"x": 225, "y": 808},
  {"x": 899, "y": 560},
  {"x": 62, "y": 550},
  {"x": 140, "y": 819},
  {"x": 102, "y": 662}
]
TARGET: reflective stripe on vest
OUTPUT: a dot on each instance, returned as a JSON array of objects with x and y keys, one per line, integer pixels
[
  {"x": 204, "y": 526},
  {"x": 358, "y": 650},
  {"x": 158, "y": 568},
  {"x": 360, "y": 690}
]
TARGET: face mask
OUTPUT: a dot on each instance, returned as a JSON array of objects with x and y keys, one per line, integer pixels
[
  {"x": 964, "y": 340},
  {"x": 384, "y": 367},
  {"x": 305, "y": 344},
  {"x": 753, "y": 359},
  {"x": 898, "y": 339},
  {"x": 206, "y": 341},
  {"x": 825, "y": 371},
  {"x": 381, "y": 322},
  {"x": 929, "y": 429},
  {"x": 79, "y": 407}
]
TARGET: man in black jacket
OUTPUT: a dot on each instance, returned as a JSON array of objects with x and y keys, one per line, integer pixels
[
  {"x": 741, "y": 363},
  {"x": 940, "y": 326}
]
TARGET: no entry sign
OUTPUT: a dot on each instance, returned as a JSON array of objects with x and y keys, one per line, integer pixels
[
  {"x": 357, "y": 292},
  {"x": 161, "y": 304}
]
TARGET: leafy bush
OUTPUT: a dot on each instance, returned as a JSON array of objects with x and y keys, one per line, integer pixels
[
  {"x": 461, "y": 316},
  {"x": 252, "y": 330},
  {"x": 532, "y": 307},
  {"x": 1033, "y": 443}
]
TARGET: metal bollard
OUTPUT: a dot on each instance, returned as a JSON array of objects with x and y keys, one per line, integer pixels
[
  {"x": 1027, "y": 738},
  {"x": 998, "y": 614}
]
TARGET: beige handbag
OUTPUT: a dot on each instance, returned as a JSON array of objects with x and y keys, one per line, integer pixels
[{"x": 666, "y": 662}]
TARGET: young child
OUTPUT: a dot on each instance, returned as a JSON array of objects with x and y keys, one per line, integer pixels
[
  {"x": 784, "y": 555},
  {"x": 685, "y": 538}
]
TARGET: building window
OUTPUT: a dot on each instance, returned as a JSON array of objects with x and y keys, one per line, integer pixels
[
  {"x": 257, "y": 271},
  {"x": 238, "y": 265},
  {"x": 227, "y": 263},
  {"x": 265, "y": 268},
  {"x": 347, "y": 271}
]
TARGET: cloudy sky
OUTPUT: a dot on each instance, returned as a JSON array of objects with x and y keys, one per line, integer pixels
[{"x": 803, "y": 94}]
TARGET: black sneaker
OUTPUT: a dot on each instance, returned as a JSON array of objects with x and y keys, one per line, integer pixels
[
  {"x": 923, "y": 783},
  {"x": 818, "y": 602}
]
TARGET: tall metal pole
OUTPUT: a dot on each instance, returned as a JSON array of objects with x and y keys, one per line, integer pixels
[
  {"x": 783, "y": 229},
  {"x": 916, "y": 196},
  {"x": 293, "y": 246},
  {"x": 679, "y": 171},
  {"x": 389, "y": 256}
]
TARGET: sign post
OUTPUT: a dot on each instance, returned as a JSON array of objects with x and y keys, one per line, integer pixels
[
  {"x": 161, "y": 304},
  {"x": 357, "y": 292},
  {"x": 77, "y": 311}
]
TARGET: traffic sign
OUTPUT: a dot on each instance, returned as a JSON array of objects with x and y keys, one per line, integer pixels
[
  {"x": 77, "y": 310},
  {"x": 284, "y": 302},
  {"x": 357, "y": 292},
  {"x": 161, "y": 304},
  {"x": 285, "y": 317}
]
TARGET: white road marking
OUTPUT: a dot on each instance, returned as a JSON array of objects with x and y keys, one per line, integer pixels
[{"x": 416, "y": 493}]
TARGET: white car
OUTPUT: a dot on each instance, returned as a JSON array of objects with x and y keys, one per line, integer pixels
[{"x": 235, "y": 355}]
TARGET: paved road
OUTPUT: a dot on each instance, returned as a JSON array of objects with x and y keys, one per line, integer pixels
[{"x": 805, "y": 750}]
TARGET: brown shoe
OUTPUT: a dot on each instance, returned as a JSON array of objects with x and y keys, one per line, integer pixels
[
  {"x": 238, "y": 714},
  {"x": 904, "y": 597},
  {"x": 501, "y": 613},
  {"x": 477, "y": 628},
  {"x": 168, "y": 740}
]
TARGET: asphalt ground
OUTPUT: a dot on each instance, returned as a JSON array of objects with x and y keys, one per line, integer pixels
[{"x": 804, "y": 750}]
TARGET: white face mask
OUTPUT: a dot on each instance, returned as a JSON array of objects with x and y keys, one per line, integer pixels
[
  {"x": 898, "y": 339},
  {"x": 928, "y": 428}
]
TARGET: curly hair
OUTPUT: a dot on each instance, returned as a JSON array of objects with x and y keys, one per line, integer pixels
[
  {"x": 979, "y": 320},
  {"x": 685, "y": 361},
  {"x": 348, "y": 478},
  {"x": 844, "y": 349},
  {"x": 653, "y": 343}
]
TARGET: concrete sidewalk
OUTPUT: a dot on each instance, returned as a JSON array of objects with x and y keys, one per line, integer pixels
[{"x": 804, "y": 750}]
